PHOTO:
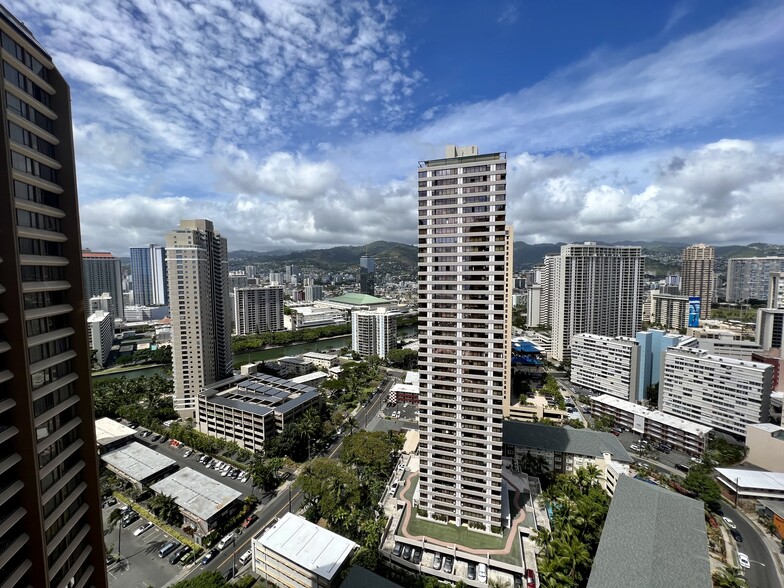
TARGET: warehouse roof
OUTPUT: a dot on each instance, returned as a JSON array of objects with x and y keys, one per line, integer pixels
[
  {"x": 137, "y": 462},
  {"x": 574, "y": 441},
  {"x": 196, "y": 493},
  {"x": 108, "y": 431},
  {"x": 671, "y": 527}
]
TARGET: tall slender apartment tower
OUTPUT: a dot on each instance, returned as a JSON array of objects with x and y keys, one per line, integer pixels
[
  {"x": 50, "y": 516},
  {"x": 465, "y": 289},
  {"x": 697, "y": 275},
  {"x": 198, "y": 260},
  {"x": 102, "y": 273},
  {"x": 599, "y": 290},
  {"x": 367, "y": 275},
  {"x": 150, "y": 278}
]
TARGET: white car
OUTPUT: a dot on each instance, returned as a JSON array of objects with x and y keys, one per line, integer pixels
[
  {"x": 143, "y": 529},
  {"x": 729, "y": 522},
  {"x": 635, "y": 447},
  {"x": 744, "y": 560},
  {"x": 481, "y": 572},
  {"x": 226, "y": 541}
]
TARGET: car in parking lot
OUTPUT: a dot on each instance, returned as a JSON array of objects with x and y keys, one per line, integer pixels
[
  {"x": 448, "y": 561},
  {"x": 168, "y": 548},
  {"x": 481, "y": 572},
  {"x": 249, "y": 521},
  {"x": 728, "y": 521},
  {"x": 188, "y": 453},
  {"x": 407, "y": 552},
  {"x": 245, "y": 477},
  {"x": 397, "y": 549},
  {"x": 417, "y": 557},
  {"x": 437, "y": 560},
  {"x": 155, "y": 437},
  {"x": 109, "y": 501},
  {"x": 471, "y": 571},
  {"x": 209, "y": 556},
  {"x": 635, "y": 447},
  {"x": 130, "y": 518},
  {"x": 143, "y": 528},
  {"x": 179, "y": 554},
  {"x": 743, "y": 559}
]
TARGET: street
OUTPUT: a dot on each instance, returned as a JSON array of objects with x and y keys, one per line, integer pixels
[{"x": 762, "y": 573}]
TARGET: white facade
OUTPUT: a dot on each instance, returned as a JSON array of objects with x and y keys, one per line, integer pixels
[
  {"x": 313, "y": 293},
  {"x": 533, "y": 303},
  {"x": 373, "y": 332},
  {"x": 308, "y": 316},
  {"x": 197, "y": 260},
  {"x": 749, "y": 277},
  {"x": 322, "y": 361},
  {"x": 608, "y": 365},
  {"x": 720, "y": 392},
  {"x": 100, "y": 334},
  {"x": 258, "y": 310},
  {"x": 465, "y": 288},
  {"x": 599, "y": 290}
]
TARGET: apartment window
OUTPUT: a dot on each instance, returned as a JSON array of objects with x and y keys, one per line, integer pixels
[
  {"x": 42, "y": 273},
  {"x": 24, "y": 110},
  {"x": 47, "y": 350},
  {"x": 39, "y": 246},
  {"x": 28, "y": 139},
  {"x": 21, "y": 81},
  {"x": 24, "y": 56},
  {"x": 46, "y": 324},
  {"x": 45, "y": 376},
  {"x": 49, "y": 401},
  {"x": 34, "y": 194},
  {"x": 31, "y": 166}
]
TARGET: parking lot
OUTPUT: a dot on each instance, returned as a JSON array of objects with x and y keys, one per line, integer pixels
[
  {"x": 402, "y": 411},
  {"x": 139, "y": 564}
]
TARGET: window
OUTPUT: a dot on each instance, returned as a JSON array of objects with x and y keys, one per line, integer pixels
[
  {"x": 34, "y": 220},
  {"x": 40, "y": 247},
  {"x": 24, "y": 56},
  {"x": 24, "y": 110},
  {"x": 33, "y": 194},
  {"x": 31, "y": 166},
  {"x": 28, "y": 139},
  {"x": 42, "y": 273},
  {"x": 21, "y": 81}
]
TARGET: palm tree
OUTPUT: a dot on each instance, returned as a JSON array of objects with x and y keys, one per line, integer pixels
[
  {"x": 729, "y": 577},
  {"x": 115, "y": 517}
]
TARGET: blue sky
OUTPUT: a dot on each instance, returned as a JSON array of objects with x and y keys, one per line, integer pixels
[{"x": 299, "y": 124}]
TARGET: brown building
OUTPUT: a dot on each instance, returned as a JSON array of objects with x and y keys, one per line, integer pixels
[
  {"x": 697, "y": 275},
  {"x": 51, "y": 529}
]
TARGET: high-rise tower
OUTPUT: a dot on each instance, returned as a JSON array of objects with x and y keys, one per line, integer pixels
[
  {"x": 198, "y": 260},
  {"x": 102, "y": 273},
  {"x": 367, "y": 275},
  {"x": 697, "y": 276},
  {"x": 598, "y": 290},
  {"x": 150, "y": 278},
  {"x": 465, "y": 279},
  {"x": 50, "y": 516}
]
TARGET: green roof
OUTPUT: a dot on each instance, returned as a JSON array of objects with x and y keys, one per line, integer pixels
[
  {"x": 652, "y": 537},
  {"x": 359, "y": 299}
]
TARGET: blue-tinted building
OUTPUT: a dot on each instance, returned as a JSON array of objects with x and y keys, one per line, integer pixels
[
  {"x": 653, "y": 343},
  {"x": 150, "y": 278}
]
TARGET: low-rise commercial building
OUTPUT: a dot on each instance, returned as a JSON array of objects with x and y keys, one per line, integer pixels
[
  {"x": 721, "y": 392},
  {"x": 248, "y": 409},
  {"x": 751, "y": 485},
  {"x": 109, "y": 434},
  {"x": 655, "y": 425},
  {"x": 296, "y": 553},
  {"x": 314, "y": 379},
  {"x": 404, "y": 393},
  {"x": 204, "y": 503},
  {"x": 306, "y": 317},
  {"x": 766, "y": 446},
  {"x": 138, "y": 464},
  {"x": 294, "y": 365},
  {"x": 644, "y": 512},
  {"x": 607, "y": 365},
  {"x": 322, "y": 361}
]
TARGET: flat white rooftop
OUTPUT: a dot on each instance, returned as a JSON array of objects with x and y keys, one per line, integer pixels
[
  {"x": 108, "y": 431},
  {"x": 654, "y": 415},
  {"x": 196, "y": 493},
  {"x": 309, "y": 377},
  {"x": 412, "y": 378},
  {"x": 137, "y": 462},
  {"x": 753, "y": 479},
  {"x": 409, "y": 388},
  {"x": 309, "y": 546}
]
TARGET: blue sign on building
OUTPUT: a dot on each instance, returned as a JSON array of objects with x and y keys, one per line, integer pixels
[{"x": 694, "y": 311}]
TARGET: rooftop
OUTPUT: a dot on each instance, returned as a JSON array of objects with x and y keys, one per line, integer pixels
[
  {"x": 654, "y": 415},
  {"x": 304, "y": 379},
  {"x": 756, "y": 480},
  {"x": 259, "y": 393},
  {"x": 574, "y": 441},
  {"x": 359, "y": 577},
  {"x": 643, "y": 512},
  {"x": 357, "y": 299},
  {"x": 309, "y": 546},
  {"x": 137, "y": 462},
  {"x": 108, "y": 431},
  {"x": 196, "y": 493}
]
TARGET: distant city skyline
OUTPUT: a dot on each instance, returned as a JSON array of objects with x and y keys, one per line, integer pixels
[{"x": 622, "y": 122}]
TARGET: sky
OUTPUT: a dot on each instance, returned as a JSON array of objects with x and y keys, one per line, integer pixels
[{"x": 299, "y": 124}]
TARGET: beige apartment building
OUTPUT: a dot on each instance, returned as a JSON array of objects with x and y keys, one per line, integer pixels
[
  {"x": 697, "y": 275},
  {"x": 258, "y": 309},
  {"x": 50, "y": 518},
  {"x": 197, "y": 261},
  {"x": 465, "y": 279}
]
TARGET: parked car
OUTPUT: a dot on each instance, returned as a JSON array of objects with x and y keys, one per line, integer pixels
[
  {"x": 481, "y": 572},
  {"x": 245, "y": 477},
  {"x": 209, "y": 557},
  {"x": 471, "y": 571},
  {"x": 417, "y": 557},
  {"x": 130, "y": 519},
  {"x": 729, "y": 522},
  {"x": 249, "y": 521},
  {"x": 397, "y": 549},
  {"x": 179, "y": 554},
  {"x": 744, "y": 560},
  {"x": 155, "y": 437},
  {"x": 530, "y": 578},
  {"x": 407, "y": 552},
  {"x": 736, "y": 535},
  {"x": 245, "y": 557},
  {"x": 635, "y": 447},
  {"x": 188, "y": 453},
  {"x": 167, "y": 548},
  {"x": 110, "y": 501},
  {"x": 437, "y": 560},
  {"x": 448, "y": 561},
  {"x": 226, "y": 541},
  {"x": 143, "y": 528}
]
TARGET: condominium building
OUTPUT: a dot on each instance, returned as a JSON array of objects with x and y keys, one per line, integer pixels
[
  {"x": 313, "y": 293},
  {"x": 721, "y": 392},
  {"x": 697, "y": 275},
  {"x": 373, "y": 332},
  {"x": 770, "y": 328},
  {"x": 237, "y": 279},
  {"x": 465, "y": 288},
  {"x": 367, "y": 275},
  {"x": 100, "y": 334},
  {"x": 599, "y": 290},
  {"x": 51, "y": 532},
  {"x": 150, "y": 279},
  {"x": 669, "y": 311},
  {"x": 749, "y": 277},
  {"x": 258, "y": 310},
  {"x": 197, "y": 260},
  {"x": 102, "y": 273},
  {"x": 534, "y": 305},
  {"x": 607, "y": 365}
]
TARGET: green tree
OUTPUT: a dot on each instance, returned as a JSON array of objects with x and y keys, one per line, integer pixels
[
  {"x": 369, "y": 453},
  {"x": 729, "y": 577},
  {"x": 204, "y": 580},
  {"x": 166, "y": 509},
  {"x": 404, "y": 359},
  {"x": 265, "y": 472},
  {"x": 699, "y": 481}
]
